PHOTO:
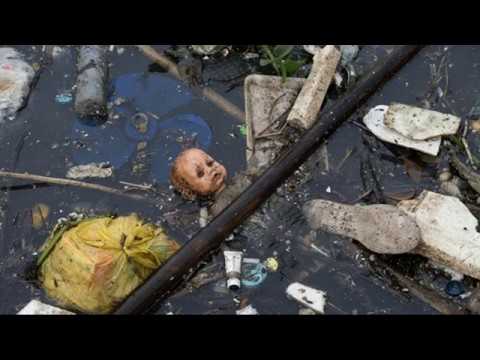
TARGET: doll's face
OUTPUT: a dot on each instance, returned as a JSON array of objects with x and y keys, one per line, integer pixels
[{"x": 196, "y": 172}]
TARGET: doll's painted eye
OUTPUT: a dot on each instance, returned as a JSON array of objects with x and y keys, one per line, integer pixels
[
  {"x": 210, "y": 163},
  {"x": 200, "y": 172}
]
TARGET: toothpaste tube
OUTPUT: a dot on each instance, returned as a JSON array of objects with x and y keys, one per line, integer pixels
[{"x": 233, "y": 268}]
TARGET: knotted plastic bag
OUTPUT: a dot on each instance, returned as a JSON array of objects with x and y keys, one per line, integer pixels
[{"x": 92, "y": 265}]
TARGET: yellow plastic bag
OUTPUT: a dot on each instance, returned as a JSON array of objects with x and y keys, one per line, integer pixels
[{"x": 94, "y": 264}]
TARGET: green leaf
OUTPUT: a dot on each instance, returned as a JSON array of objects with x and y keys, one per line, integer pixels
[
  {"x": 292, "y": 66},
  {"x": 282, "y": 51},
  {"x": 242, "y": 129}
]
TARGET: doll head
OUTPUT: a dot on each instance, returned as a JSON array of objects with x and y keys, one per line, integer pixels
[{"x": 195, "y": 173}]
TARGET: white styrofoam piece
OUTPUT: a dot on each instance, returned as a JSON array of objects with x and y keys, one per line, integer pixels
[
  {"x": 36, "y": 307},
  {"x": 374, "y": 121},
  {"x": 309, "y": 297},
  {"x": 248, "y": 310},
  {"x": 420, "y": 124},
  {"x": 449, "y": 232}
]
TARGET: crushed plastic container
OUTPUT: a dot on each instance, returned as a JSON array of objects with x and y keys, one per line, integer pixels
[
  {"x": 266, "y": 99},
  {"x": 411, "y": 127}
]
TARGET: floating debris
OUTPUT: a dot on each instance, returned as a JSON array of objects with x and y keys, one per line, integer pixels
[
  {"x": 309, "y": 297},
  {"x": 375, "y": 122},
  {"x": 253, "y": 274},
  {"x": 233, "y": 268},
  {"x": 242, "y": 129},
  {"x": 449, "y": 232},
  {"x": 267, "y": 99},
  {"x": 101, "y": 170},
  {"x": 271, "y": 264},
  {"x": 306, "y": 311},
  {"x": 36, "y": 307},
  {"x": 419, "y": 124},
  {"x": 454, "y": 288},
  {"x": 91, "y": 85},
  {"x": 383, "y": 229},
  {"x": 90, "y": 265},
  {"x": 64, "y": 98},
  {"x": 40, "y": 214},
  {"x": 310, "y": 99},
  {"x": 411, "y": 127},
  {"x": 16, "y": 77},
  {"x": 248, "y": 310},
  {"x": 196, "y": 174},
  {"x": 115, "y": 141},
  {"x": 349, "y": 53},
  {"x": 205, "y": 50},
  {"x": 203, "y": 219}
]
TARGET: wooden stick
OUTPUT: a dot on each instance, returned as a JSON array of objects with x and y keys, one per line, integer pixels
[
  {"x": 67, "y": 182},
  {"x": 206, "y": 92}
]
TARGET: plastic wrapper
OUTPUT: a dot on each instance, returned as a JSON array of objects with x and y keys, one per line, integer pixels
[{"x": 92, "y": 265}]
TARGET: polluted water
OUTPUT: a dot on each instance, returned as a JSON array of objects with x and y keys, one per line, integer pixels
[{"x": 152, "y": 117}]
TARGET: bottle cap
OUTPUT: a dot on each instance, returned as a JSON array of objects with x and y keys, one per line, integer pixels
[{"x": 233, "y": 284}]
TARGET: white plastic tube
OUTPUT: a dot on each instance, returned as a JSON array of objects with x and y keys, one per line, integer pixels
[{"x": 233, "y": 268}]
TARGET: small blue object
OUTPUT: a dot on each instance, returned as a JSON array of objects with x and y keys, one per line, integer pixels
[
  {"x": 63, "y": 98},
  {"x": 454, "y": 288},
  {"x": 253, "y": 274}
]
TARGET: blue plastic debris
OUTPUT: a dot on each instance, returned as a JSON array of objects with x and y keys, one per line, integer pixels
[
  {"x": 63, "y": 98},
  {"x": 101, "y": 143},
  {"x": 151, "y": 92},
  {"x": 253, "y": 274},
  {"x": 140, "y": 127},
  {"x": 149, "y": 97},
  {"x": 454, "y": 288}
]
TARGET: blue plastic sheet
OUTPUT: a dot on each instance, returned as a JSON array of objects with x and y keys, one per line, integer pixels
[{"x": 151, "y": 96}]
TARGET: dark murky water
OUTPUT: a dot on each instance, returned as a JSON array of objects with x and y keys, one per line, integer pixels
[{"x": 47, "y": 139}]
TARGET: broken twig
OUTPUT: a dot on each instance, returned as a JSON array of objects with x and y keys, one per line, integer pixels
[
  {"x": 137, "y": 186},
  {"x": 67, "y": 182}
]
